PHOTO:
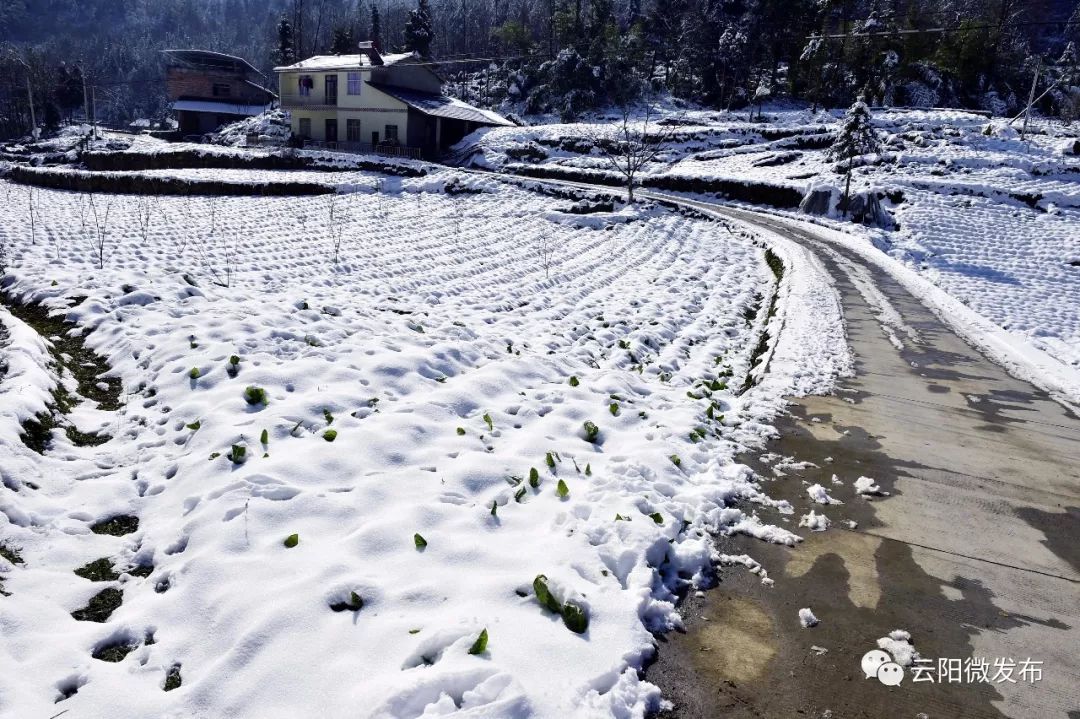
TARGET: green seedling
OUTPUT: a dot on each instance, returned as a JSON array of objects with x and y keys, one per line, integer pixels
[
  {"x": 487, "y": 420},
  {"x": 575, "y": 618},
  {"x": 562, "y": 490},
  {"x": 591, "y": 431},
  {"x": 327, "y": 416},
  {"x": 614, "y": 409},
  {"x": 461, "y": 431},
  {"x": 549, "y": 460},
  {"x": 543, "y": 594},
  {"x": 255, "y": 396},
  {"x": 355, "y": 604},
  {"x": 657, "y": 517},
  {"x": 676, "y": 460},
  {"x": 238, "y": 454},
  {"x": 494, "y": 509},
  {"x": 195, "y": 373},
  {"x": 264, "y": 438},
  {"x": 419, "y": 541},
  {"x": 194, "y": 426},
  {"x": 291, "y": 541},
  {"x": 588, "y": 470},
  {"x": 534, "y": 478},
  {"x": 480, "y": 645},
  {"x": 574, "y": 382},
  {"x": 519, "y": 495},
  {"x": 330, "y": 435}
]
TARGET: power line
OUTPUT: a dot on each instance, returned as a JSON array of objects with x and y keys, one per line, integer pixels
[{"x": 940, "y": 30}]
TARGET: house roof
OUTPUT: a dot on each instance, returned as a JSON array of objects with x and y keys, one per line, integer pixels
[
  {"x": 257, "y": 86},
  {"x": 443, "y": 106},
  {"x": 206, "y": 59},
  {"x": 321, "y": 63},
  {"x": 220, "y": 108}
]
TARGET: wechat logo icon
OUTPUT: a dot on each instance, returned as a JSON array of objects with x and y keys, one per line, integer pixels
[{"x": 878, "y": 663}]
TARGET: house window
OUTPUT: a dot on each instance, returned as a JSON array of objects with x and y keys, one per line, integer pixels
[
  {"x": 391, "y": 133},
  {"x": 356, "y": 80},
  {"x": 352, "y": 131},
  {"x": 305, "y": 128},
  {"x": 306, "y": 83},
  {"x": 221, "y": 89}
]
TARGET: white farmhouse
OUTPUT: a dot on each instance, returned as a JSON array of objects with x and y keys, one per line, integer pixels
[{"x": 369, "y": 100}]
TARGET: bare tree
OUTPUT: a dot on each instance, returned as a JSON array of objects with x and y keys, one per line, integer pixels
[
  {"x": 221, "y": 271},
  {"x": 12, "y": 52},
  {"x": 336, "y": 225},
  {"x": 32, "y": 213},
  {"x": 634, "y": 146},
  {"x": 545, "y": 249},
  {"x": 100, "y": 236},
  {"x": 379, "y": 199},
  {"x": 145, "y": 209}
]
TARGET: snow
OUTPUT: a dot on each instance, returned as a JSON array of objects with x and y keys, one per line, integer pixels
[
  {"x": 1014, "y": 268},
  {"x": 440, "y": 313},
  {"x": 322, "y": 63},
  {"x": 865, "y": 485},
  {"x": 271, "y": 127},
  {"x": 899, "y": 645},
  {"x": 815, "y": 522},
  {"x": 819, "y": 495},
  {"x": 807, "y": 618}
]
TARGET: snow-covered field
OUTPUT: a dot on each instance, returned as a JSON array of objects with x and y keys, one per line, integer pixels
[
  {"x": 355, "y": 430},
  {"x": 991, "y": 219}
]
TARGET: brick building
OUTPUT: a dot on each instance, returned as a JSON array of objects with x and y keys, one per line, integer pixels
[{"x": 209, "y": 89}]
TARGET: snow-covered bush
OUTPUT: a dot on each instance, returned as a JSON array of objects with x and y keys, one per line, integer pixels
[{"x": 271, "y": 128}]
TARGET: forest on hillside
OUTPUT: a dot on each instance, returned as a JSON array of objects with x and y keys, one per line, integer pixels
[{"x": 565, "y": 56}]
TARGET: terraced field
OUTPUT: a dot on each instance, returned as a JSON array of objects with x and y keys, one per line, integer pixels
[{"x": 396, "y": 451}]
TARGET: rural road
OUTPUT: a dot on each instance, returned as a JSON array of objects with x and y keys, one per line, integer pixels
[{"x": 974, "y": 551}]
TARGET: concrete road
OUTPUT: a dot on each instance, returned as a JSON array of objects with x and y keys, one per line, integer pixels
[{"x": 975, "y": 551}]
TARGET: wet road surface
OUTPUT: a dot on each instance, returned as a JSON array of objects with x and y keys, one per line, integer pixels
[{"x": 975, "y": 551}]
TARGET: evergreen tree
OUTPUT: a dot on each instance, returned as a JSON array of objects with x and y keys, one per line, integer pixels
[
  {"x": 376, "y": 28},
  {"x": 857, "y": 138},
  {"x": 419, "y": 34},
  {"x": 285, "y": 53},
  {"x": 343, "y": 42}
]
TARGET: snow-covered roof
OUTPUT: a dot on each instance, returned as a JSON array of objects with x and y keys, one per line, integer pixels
[
  {"x": 221, "y": 108},
  {"x": 443, "y": 106},
  {"x": 323, "y": 63}
]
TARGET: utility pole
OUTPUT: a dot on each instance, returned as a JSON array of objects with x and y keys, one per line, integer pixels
[
  {"x": 30, "y": 98},
  {"x": 93, "y": 110},
  {"x": 1031, "y": 99},
  {"x": 85, "y": 93}
]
